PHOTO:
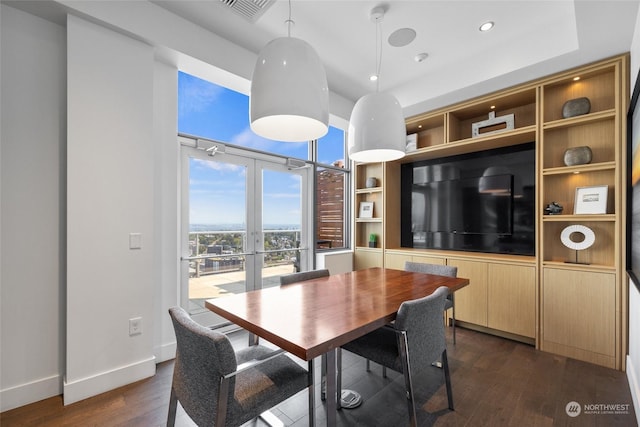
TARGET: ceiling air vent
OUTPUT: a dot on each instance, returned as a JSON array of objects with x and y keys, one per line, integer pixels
[{"x": 250, "y": 10}]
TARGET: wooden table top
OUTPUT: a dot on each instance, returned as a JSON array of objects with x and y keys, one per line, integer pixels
[{"x": 313, "y": 317}]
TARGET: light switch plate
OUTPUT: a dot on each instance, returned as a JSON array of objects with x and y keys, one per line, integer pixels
[{"x": 135, "y": 240}]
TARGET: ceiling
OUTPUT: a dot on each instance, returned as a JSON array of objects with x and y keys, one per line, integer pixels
[{"x": 531, "y": 38}]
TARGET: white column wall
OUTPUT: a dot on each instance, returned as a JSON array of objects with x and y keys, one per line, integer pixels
[
  {"x": 166, "y": 208},
  {"x": 32, "y": 191},
  {"x": 110, "y": 194}
]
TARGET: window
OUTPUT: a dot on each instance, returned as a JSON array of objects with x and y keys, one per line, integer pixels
[{"x": 211, "y": 111}]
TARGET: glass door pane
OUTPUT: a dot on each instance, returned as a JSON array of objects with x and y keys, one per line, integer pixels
[
  {"x": 219, "y": 252},
  {"x": 245, "y": 220},
  {"x": 282, "y": 223}
]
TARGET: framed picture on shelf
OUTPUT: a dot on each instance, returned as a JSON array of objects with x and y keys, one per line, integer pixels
[
  {"x": 591, "y": 200},
  {"x": 633, "y": 186},
  {"x": 366, "y": 210}
]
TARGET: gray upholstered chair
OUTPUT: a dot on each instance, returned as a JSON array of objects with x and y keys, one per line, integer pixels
[
  {"x": 217, "y": 386},
  {"x": 440, "y": 270},
  {"x": 410, "y": 344},
  {"x": 302, "y": 276}
]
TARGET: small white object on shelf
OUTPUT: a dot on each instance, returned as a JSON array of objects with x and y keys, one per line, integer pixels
[
  {"x": 587, "y": 240},
  {"x": 591, "y": 200},
  {"x": 366, "y": 210}
]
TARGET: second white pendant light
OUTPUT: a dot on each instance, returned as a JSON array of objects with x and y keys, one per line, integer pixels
[{"x": 377, "y": 130}]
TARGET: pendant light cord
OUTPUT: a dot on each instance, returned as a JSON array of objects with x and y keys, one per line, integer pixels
[
  {"x": 378, "y": 51},
  {"x": 289, "y": 21}
]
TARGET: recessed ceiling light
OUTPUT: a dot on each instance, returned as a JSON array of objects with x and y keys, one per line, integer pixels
[
  {"x": 486, "y": 26},
  {"x": 420, "y": 57},
  {"x": 373, "y": 77},
  {"x": 402, "y": 37},
  {"x": 575, "y": 79}
]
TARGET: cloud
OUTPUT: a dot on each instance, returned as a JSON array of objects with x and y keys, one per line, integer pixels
[
  {"x": 196, "y": 95},
  {"x": 282, "y": 195},
  {"x": 248, "y": 139},
  {"x": 217, "y": 166}
]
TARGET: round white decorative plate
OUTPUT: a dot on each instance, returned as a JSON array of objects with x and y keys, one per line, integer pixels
[{"x": 588, "y": 240}]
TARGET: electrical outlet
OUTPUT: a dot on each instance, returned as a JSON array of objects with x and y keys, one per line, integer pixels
[{"x": 135, "y": 326}]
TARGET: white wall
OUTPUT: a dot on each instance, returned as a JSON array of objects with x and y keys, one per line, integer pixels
[
  {"x": 335, "y": 262},
  {"x": 110, "y": 194},
  {"x": 166, "y": 207},
  {"x": 32, "y": 194}
]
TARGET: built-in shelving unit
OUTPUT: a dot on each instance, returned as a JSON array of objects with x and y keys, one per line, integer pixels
[
  {"x": 576, "y": 310},
  {"x": 365, "y": 255},
  {"x": 574, "y": 283}
]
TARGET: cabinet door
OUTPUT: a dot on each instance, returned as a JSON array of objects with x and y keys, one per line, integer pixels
[
  {"x": 579, "y": 312},
  {"x": 428, "y": 260},
  {"x": 471, "y": 301},
  {"x": 512, "y": 299},
  {"x": 392, "y": 260},
  {"x": 366, "y": 259}
]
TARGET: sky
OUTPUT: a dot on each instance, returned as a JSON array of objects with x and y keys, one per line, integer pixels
[{"x": 217, "y": 190}]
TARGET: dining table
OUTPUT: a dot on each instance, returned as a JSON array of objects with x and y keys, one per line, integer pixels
[{"x": 316, "y": 317}]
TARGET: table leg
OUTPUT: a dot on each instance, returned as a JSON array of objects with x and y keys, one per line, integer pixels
[{"x": 332, "y": 394}]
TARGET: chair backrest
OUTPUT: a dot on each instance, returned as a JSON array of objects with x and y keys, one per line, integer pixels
[
  {"x": 202, "y": 357},
  {"x": 440, "y": 270},
  {"x": 422, "y": 320},
  {"x": 302, "y": 276}
]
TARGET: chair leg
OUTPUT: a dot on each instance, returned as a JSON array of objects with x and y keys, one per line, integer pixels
[
  {"x": 384, "y": 372},
  {"x": 253, "y": 339},
  {"x": 323, "y": 377},
  {"x": 368, "y": 365},
  {"x": 338, "y": 378},
  {"x": 447, "y": 378},
  {"x": 406, "y": 367},
  {"x": 173, "y": 406},
  {"x": 453, "y": 317}
]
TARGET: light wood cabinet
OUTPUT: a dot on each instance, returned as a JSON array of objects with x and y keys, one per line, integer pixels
[
  {"x": 535, "y": 297},
  {"x": 578, "y": 316},
  {"x": 511, "y": 299},
  {"x": 471, "y": 301},
  {"x": 397, "y": 259},
  {"x": 367, "y": 258}
]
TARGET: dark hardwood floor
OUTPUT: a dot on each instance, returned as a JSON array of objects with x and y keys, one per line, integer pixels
[{"x": 496, "y": 382}]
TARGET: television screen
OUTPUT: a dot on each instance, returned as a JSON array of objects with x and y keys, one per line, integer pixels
[{"x": 476, "y": 202}]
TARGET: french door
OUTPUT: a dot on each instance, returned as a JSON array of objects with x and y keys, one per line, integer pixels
[{"x": 245, "y": 221}]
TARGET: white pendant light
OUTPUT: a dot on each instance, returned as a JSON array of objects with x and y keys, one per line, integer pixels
[
  {"x": 289, "y": 93},
  {"x": 377, "y": 130}
]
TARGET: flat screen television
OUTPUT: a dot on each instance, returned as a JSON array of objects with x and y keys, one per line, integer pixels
[{"x": 480, "y": 202}]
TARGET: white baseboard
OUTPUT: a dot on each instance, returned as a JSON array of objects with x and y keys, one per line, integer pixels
[
  {"x": 92, "y": 386},
  {"x": 634, "y": 386},
  {"x": 165, "y": 352},
  {"x": 34, "y": 391}
]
